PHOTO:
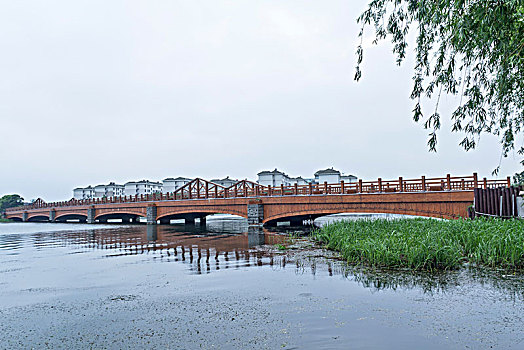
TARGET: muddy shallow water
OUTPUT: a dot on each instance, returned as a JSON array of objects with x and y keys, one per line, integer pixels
[{"x": 181, "y": 287}]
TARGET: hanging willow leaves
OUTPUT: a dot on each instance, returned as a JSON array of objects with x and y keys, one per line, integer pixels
[{"x": 474, "y": 49}]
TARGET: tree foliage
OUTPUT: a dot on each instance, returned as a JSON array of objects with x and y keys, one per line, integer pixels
[
  {"x": 470, "y": 48},
  {"x": 9, "y": 201},
  {"x": 518, "y": 178}
]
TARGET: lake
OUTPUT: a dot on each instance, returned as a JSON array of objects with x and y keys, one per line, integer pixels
[{"x": 229, "y": 287}]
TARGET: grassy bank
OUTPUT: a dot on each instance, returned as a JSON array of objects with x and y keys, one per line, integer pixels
[
  {"x": 4, "y": 220},
  {"x": 426, "y": 244}
]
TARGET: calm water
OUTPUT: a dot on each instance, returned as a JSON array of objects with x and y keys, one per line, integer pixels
[{"x": 180, "y": 287}]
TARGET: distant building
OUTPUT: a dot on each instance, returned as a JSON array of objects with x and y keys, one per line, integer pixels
[
  {"x": 109, "y": 190},
  {"x": 84, "y": 193},
  {"x": 133, "y": 188},
  {"x": 299, "y": 181},
  {"x": 327, "y": 175},
  {"x": 273, "y": 178},
  {"x": 277, "y": 178},
  {"x": 348, "y": 178},
  {"x": 226, "y": 182},
  {"x": 171, "y": 184},
  {"x": 332, "y": 176}
]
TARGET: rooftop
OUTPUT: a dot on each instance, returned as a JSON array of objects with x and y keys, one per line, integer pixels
[
  {"x": 271, "y": 172},
  {"x": 327, "y": 171},
  {"x": 143, "y": 182}
]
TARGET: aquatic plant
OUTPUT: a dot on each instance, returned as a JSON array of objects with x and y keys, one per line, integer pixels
[{"x": 427, "y": 244}]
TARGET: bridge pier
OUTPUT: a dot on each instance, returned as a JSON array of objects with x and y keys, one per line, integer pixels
[
  {"x": 24, "y": 216},
  {"x": 255, "y": 236},
  {"x": 203, "y": 221},
  {"x": 255, "y": 213},
  {"x": 91, "y": 213},
  {"x": 151, "y": 214},
  {"x": 189, "y": 221},
  {"x": 152, "y": 233},
  {"x": 52, "y": 215}
]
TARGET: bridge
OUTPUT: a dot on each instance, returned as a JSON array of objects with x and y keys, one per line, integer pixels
[{"x": 448, "y": 197}]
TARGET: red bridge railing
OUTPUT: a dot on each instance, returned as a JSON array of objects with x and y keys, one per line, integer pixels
[{"x": 202, "y": 189}]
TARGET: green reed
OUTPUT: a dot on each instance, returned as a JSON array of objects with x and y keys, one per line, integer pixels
[{"x": 427, "y": 244}]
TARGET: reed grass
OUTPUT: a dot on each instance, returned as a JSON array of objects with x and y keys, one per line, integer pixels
[{"x": 427, "y": 244}]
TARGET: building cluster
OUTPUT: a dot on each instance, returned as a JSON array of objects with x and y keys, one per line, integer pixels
[
  {"x": 277, "y": 178},
  {"x": 169, "y": 185}
]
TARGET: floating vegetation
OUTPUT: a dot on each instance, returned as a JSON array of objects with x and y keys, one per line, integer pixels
[{"x": 427, "y": 244}]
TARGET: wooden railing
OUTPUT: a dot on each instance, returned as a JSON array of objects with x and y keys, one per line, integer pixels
[{"x": 202, "y": 189}]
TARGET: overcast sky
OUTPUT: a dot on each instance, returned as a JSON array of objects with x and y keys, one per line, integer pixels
[{"x": 99, "y": 91}]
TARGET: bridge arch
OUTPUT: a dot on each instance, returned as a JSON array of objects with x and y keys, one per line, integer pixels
[
  {"x": 38, "y": 218},
  {"x": 71, "y": 216},
  {"x": 125, "y": 216},
  {"x": 190, "y": 214},
  {"x": 199, "y": 213},
  {"x": 299, "y": 216}
]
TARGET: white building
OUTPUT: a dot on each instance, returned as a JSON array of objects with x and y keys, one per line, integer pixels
[
  {"x": 273, "y": 178},
  {"x": 171, "y": 185},
  {"x": 84, "y": 192},
  {"x": 299, "y": 181},
  {"x": 133, "y": 188},
  {"x": 109, "y": 190},
  {"x": 332, "y": 176},
  {"x": 348, "y": 178},
  {"x": 226, "y": 182}
]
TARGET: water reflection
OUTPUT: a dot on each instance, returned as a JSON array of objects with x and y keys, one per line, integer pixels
[{"x": 230, "y": 244}]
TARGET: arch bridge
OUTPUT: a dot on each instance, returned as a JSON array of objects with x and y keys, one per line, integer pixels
[{"x": 447, "y": 197}]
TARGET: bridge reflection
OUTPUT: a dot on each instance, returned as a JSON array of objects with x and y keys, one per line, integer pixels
[{"x": 203, "y": 250}]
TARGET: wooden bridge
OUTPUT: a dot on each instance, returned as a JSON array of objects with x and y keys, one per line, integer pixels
[{"x": 448, "y": 197}]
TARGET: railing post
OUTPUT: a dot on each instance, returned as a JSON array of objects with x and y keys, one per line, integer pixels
[
  {"x": 268, "y": 190},
  {"x": 310, "y": 188},
  {"x": 508, "y": 179},
  {"x": 485, "y": 181},
  {"x": 380, "y": 184},
  {"x": 296, "y": 188},
  {"x": 448, "y": 179},
  {"x": 400, "y": 184},
  {"x": 281, "y": 189},
  {"x": 207, "y": 190},
  {"x": 325, "y": 187},
  {"x": 360, "y": 185},
  {"x": 226, "y": 193},
  {"x": 257, "y": 191},
  {"x": 423, "y": 183},
  {"x": 342, "y": 190},
  {"x": 475, "y": 180}
]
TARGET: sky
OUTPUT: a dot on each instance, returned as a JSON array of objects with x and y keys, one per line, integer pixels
[{"x": 99, "y": 91}]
